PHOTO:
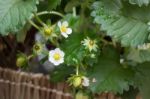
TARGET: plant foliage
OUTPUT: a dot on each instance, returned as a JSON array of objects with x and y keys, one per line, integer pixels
[
  {"x": 14, "y": 14},
  {"x": 99, "y": 45},
  {"x": 124, "y": 22},
  {"x": 110, "y": 74}
]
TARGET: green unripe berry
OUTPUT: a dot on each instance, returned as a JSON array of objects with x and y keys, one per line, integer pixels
[
  {"x": 21, "y": 61},
  {"x": 77, "y": 81}
]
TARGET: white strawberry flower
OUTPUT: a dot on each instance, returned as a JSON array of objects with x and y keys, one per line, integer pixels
[
  {"x": 145, "y": 46},
  {"x": 56, "y": 56},
  {"x": 65, "y": 31},
  {"x": 94, "y": 80},
  {"x": 85, "y": 81},
  {"x": 90, "y": 44}
]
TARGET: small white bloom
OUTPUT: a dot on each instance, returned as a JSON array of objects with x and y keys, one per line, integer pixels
[
  {"x": 56, "y": 56},
  {"x": 94, "y": 80},
  {"x": 93, "y": 55},
  {"x": 148, "y": 23},
  {"x": 90, "y": 44},
  {"x": 65, "y": 31},
  {"x": 85, "y": 82},
  {"x": 121, "y": 60},
  {"x": 145, "y": 46}
]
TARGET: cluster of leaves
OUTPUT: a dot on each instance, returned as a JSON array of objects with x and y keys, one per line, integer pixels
[
  {"x": 115, "y": 67},
  {"x": 123, "y": 21},
  {"x": 127, "y": 21}
]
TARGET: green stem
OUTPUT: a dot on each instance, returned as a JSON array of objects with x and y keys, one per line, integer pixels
[
  {"x": 30, "y": 56},
  {"x": 54, "y": 42},
  {"x": 74, "y": 93},
  {"x": 105, "y": 41},
  {"x": 45, "y": 52},
  {"x": 43, "y": 13},
  {"x": 39, "y": 20},
  {"x": 50, "y": 12},
  {"x": 83, "y": 66},
  {"x": 33, "y": 24},
  {"x": 77, "y": 70},
  {"x": 74, "y": 12}
]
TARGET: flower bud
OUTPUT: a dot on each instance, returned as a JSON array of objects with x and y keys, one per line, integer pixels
[
  {"x": 37, "y": 48},
  {"x": 48, "y": 31}
]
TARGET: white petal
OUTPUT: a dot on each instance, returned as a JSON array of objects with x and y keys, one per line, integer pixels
[
  {"x": 59, "y": 24},
  {"x": 85, "y": 81},
  {"x": 65, "y": 23},
  {"x": 69, "y": 30},
  {"x": 62, "y": 53},
  {"x": 64, "y": 34},
  {"x": 61, "y": 60},
  {"x": 56, "y": 63},
  {"x": 93, "y": 80},
  {"x": 57, "y": 50},
  {"x": 51, "y": 53},
  {"x": 51, "y": 59},
  {"x": 88, "y": 38}
]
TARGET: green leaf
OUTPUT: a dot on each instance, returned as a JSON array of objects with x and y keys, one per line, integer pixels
[
  {"x": 74, "y": 22},
  {"x": 109, "y": 6},
  {"x": 142, "y": 79},
  {"x": 138, "y": 13},
  {"x": 44, "y": 59},
  {"x": 61, "y": 72},
  {"x": 138, "y": 56},
  {"x": 145, "y": 89},
  {"x": 52, "y": 4},
  {"x": 14, "y": 14},
  {"x": 21, "y": 35},
  {"x": 139, "y": 2},
  {"x": 125, "y": 23},
  {"x": 74, "y": 50},
  {"x": 109, "y": 74}
]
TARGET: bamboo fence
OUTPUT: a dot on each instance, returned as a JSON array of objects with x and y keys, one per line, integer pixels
[{"x": 21, "y": 85}]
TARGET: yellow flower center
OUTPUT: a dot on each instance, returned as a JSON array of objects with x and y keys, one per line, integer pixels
[
  {"x": 63, "y": 29},
  {"x": 91, "y": 42},
  {"x": 57, "y": 56},
  {"x": 48, "y": 31}
]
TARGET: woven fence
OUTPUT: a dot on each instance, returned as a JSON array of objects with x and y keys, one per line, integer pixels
[{"x": 21, "y": 85}]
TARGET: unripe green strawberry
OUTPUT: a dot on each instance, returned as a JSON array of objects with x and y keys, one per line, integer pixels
[
  {"x": 77, "y": 81},
  {"x": 21, "y": 61}
]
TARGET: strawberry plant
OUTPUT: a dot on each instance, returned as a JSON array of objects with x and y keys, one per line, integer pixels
[{"x": 96, "y": 46}]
